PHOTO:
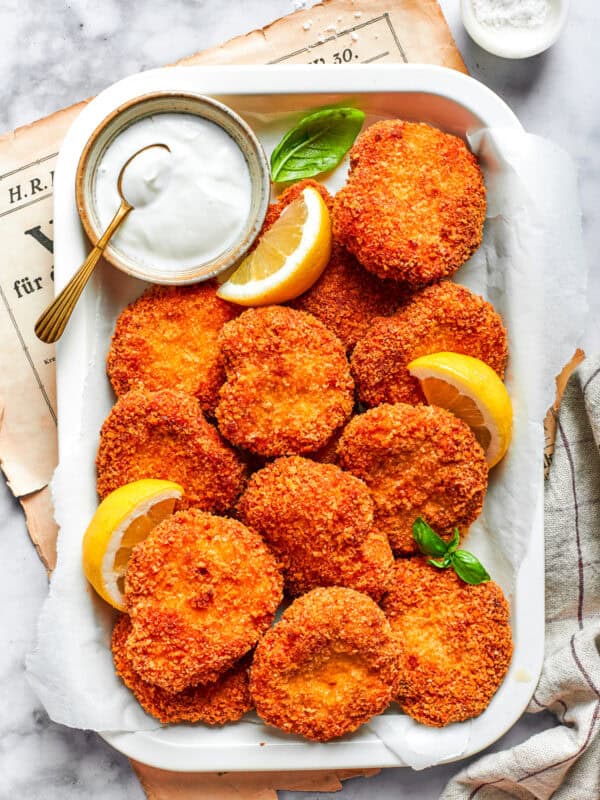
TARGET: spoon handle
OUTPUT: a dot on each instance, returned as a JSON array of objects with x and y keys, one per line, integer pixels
[{"x": 52, "y": 322}]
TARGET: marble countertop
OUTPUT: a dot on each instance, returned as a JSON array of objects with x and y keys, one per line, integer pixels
[{"x": 55, "y": 53}]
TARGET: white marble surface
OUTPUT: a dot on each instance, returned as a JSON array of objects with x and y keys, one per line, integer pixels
[{"x": 56, "y": 52}]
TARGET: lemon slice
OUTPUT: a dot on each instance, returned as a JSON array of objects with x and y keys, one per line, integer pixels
[
  {"x": 471, "y": 390},
  {"x": 289, "y": 257},
  {"x": 123, "y": 519}
]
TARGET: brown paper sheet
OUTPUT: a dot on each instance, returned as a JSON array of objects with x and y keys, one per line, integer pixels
[
  {"x": 334, "y": 32},
  {"x": 28, "y": 444},
  {"x": 161, "y": 785},
  {"x": 550, "y": 420},
  {"x": 39, "y": 517},
  {"x": 374, "y": 31}
]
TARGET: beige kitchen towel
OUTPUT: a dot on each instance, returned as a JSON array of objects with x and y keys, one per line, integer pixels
[{"x": 563, "y": 762}]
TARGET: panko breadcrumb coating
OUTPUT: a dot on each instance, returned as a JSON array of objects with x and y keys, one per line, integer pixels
[
  {"x": 346, "y": 297},
  {"x": 366, "y": 567},
  {"x": 290, "y": 194},
  {"x": 318, "y": 521},
  {"x": 455, "y": 641},
  {"x": 288, "y": 385},
  {"x": 200, "y": 591},
  {"x": 165, "y": 435},
  {"x": 328, "y": 453},
  {"x": 444, "y": 317},
  {"x": 225, "y": 700},
  {"x": 168, "y": 339},
  {"x": 414, "y": 205},
  {"x": 328, "y": 666},
  {"x": 295, "y": 499},
  {"x": 418, "y": 461}
]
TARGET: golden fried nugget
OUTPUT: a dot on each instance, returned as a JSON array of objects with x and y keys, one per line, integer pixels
[
  {"x": 444, "y": 317},
  {"x": 418, "y": 461},
  {"x": 414, "y": 205},
  {"x": 295, "y": 499},
  {"x": 225, "y": 700},
  {"x": 288, "y": 385},
  {"x": 318, "y": 521},
  {"x": 328, "y": 453},
  {"x": 290, "y": 194},
  {"x": 455, "y": 641},
  {"x": 366, "y": 567},
  {"x": 346, "y": 297},
  {"x": 328, "y": 666},
  {"x": 168, "y": 339},
  {"x": 200, "y": 591},
  {"x": 164, "y": 435}
]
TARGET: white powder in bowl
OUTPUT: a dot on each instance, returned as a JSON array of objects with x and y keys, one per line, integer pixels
[{"x": 516, "y": 13}]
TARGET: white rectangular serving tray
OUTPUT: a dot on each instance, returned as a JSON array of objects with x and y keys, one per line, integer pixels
[{"x": 268, "y": 97}]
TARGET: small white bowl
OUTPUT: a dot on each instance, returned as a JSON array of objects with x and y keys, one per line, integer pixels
[{"x": 512, "y": 42}]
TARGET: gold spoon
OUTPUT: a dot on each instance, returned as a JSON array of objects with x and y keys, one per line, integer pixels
[{"x": 52, "y": 322}]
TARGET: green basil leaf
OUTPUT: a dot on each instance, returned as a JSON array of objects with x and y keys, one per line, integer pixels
[
  {"x": 316, "y": 144},
  {"x": 427, "y": 539},
  {"x": 468, "y": 568},
  {"x": 454, "y": 542},
  {"x": 441, "y": 563}
]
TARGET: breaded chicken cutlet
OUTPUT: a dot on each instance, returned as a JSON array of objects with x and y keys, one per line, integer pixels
[
  {"x": 318, "y": 521},
  {"x": 328, "y": 453},
  {"x": 164, "y": 435},
  {"x": 414, "y": 205},
  {"x": 418, "y": 461},
  {"x": 327, "y": 667},
  {"x": 225, "y": 700},
  {"x": 443, "y": 317},
  {"x": 455, "y": 640},
  {"x": 200, "y": 591},
  {"x": 346, "y": 297},
  {"x": 290, "y": 194},
  {"x": 168, "y": 339},
  {"x": 288, "y": 385}
]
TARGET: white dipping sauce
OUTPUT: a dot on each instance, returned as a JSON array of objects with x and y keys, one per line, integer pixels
[
  {"x": 146, "y": 176},
  {"x": 190, "y": 204}
]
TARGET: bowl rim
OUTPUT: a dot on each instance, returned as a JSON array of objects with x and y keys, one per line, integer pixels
[
  {"x": 488, "y": 39},
  {"x": 208, "y": 269}
]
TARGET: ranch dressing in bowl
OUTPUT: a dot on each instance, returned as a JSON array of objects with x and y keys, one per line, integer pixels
[{"x": 190, "y": 204}]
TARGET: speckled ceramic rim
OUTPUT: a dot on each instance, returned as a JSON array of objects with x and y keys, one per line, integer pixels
[{"x": 160, "y": 103}]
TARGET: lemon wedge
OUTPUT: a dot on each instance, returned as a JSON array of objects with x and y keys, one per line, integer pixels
[
  {"x": 289, "y": 257},
  {"x": 471, "y": 390},
  {"x": 123, "y": 519}
]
